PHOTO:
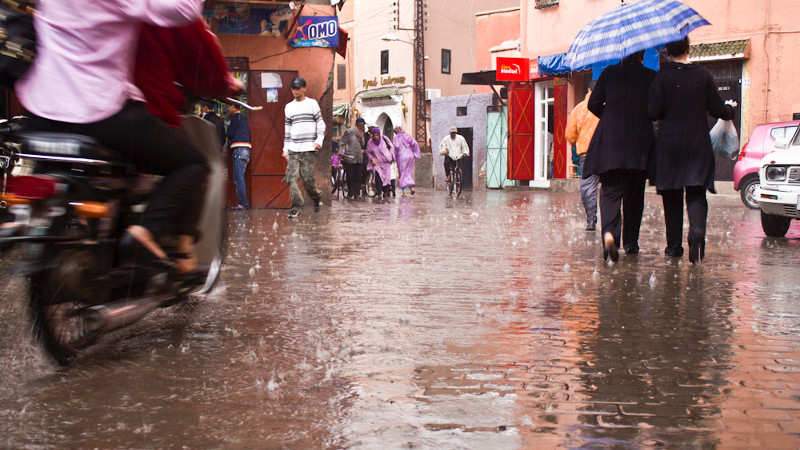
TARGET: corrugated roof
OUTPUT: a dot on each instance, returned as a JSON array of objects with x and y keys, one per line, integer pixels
[{"x": 719, "y": 50}]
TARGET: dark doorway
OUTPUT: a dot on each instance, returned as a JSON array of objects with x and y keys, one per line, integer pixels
[
  {"x": 466, "y": 164},
  {"x": 728, "y": 78}
]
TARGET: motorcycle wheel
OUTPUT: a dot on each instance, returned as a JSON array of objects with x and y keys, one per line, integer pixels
[{"x": 58, "y": 315}]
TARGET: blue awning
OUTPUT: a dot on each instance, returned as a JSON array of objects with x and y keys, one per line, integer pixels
[{"x": 552, "y": 65}]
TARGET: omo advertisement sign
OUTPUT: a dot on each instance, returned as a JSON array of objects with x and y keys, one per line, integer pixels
[
  {"x": 316, "y": 31},
  {"x": 512, "y": 69}
]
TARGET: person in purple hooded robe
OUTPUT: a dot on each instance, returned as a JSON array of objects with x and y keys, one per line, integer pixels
[
  {"x": 380, "y": 152},
  {"x": 406, "y": 150}
]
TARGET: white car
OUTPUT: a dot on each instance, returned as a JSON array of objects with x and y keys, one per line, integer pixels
[{"x": 779, "y": 192}]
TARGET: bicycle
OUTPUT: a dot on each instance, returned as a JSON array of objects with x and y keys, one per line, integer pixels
[
  {"x": 454, "y": 182},
  {"x": 338, "y": 177}
]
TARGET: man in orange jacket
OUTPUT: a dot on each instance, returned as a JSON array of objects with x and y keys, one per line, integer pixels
[{"x": 580, "y": 129}]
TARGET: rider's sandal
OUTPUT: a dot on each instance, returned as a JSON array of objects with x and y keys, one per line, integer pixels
[
  {"x": 132, "y": 253},
  {"x": 192, "y": 278}
]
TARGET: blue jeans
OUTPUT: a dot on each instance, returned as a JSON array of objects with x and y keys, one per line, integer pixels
[{"x": 241, "y": 156}]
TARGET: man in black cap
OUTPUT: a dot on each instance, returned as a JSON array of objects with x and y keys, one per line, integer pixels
[
  {"x": 353, "y": 144},
  {"x": 304, "y": 133},
  {"x": 207, "y": 108}
]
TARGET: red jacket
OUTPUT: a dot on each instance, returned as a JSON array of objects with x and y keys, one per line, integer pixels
[{"x": 190, "y": 56}]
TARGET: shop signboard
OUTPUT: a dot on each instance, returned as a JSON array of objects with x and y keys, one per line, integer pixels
[
  {"x": 316, "y": 31},
  {"x": 512, "y": 69}
]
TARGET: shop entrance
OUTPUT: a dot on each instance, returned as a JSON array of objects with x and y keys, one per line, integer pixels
[
  {"x": 728, "y": 78},
  {"x": 264, "y": 176},
  {"x": 466, "y": 161}
]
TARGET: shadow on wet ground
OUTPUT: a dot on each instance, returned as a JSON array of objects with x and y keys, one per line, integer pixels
[{"x": 487, "y": 321}]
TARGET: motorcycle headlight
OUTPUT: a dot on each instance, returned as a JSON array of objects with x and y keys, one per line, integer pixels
[{"x": 775, "y": 173}]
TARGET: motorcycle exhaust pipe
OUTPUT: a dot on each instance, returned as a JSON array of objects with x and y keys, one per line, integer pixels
[{"x": 119, "y": 314}]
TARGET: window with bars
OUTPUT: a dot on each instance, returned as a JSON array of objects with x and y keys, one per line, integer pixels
[
  {"x": 446, "y": 56},
  {"x": 341, "y": 76},
  {"x": 545, "y": 3},
  {"x": 384, "y": 61}
]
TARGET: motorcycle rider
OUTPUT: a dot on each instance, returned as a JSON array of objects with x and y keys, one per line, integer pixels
[{"x": 82, "y": 82}]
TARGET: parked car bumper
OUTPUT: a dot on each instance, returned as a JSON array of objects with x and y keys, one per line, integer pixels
[{"x": 780, "y": 202}]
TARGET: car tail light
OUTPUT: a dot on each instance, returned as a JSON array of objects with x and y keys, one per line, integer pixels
[
  {"x": 743, "y": 152},
  {"x": 32, "y": 187}
]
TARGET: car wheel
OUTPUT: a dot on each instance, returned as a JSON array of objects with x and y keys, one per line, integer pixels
[
  {"x": 748, "y": 190},
  {"x": 775, "y": 226}
]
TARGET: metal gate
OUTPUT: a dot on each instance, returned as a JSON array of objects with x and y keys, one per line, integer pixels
[
  {"x": 521, "y": 124},
  {"x": 497, "y": 147},
  {"x": 728, "y": 78}
]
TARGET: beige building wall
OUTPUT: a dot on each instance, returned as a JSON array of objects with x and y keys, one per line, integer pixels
[{"x": 451, "y": 25}]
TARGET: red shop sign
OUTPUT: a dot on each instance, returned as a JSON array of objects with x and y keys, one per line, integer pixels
[{"x": 513, "y": 69}]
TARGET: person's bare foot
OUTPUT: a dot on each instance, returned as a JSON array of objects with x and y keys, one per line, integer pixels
[
  {"x": 147, "y": 240},
  {"x": 187, "y": 262}
]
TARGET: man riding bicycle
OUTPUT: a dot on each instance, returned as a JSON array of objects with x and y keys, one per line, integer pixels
[{"x": 453, "y": 147}]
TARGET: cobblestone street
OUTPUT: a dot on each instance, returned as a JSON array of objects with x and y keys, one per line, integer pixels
[{"x": 484, "y": 322}]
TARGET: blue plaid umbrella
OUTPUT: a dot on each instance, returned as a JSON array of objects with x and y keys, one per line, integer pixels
[{"x": 630, "y": 28}]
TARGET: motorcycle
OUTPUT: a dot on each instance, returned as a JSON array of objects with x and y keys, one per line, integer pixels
[{"x": 66, "y": 200}]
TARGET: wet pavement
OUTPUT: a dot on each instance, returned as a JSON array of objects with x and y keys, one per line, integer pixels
[{"x": 484, "y": 322}]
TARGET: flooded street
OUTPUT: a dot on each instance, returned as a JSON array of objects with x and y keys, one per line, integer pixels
[{"x": 484, "y": 322}]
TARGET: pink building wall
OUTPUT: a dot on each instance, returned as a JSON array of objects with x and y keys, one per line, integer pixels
[
  {"x": 771, "y": 26},
  {"x": 494, "y": 28}
]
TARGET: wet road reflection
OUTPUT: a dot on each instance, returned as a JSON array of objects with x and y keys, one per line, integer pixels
[{"x": 488, "y": 321}]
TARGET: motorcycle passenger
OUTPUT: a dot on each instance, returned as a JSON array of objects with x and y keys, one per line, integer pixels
[{"x": 82, "y": 82}]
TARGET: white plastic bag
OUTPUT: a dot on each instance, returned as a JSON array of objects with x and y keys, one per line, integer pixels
[{"x": 724, "y": 139}]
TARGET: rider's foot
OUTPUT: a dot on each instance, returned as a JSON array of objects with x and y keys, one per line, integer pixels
[
  {"x": 185, "y": 258},
  {"x": 137, "y": 247}
]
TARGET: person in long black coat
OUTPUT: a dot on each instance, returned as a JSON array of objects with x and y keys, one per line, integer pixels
[
  {"x": 680, "y": 97},
  {"x": 620, "y": 151}
]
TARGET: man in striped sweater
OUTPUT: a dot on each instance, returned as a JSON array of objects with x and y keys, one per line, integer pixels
[{"x": 305, "y": 131}]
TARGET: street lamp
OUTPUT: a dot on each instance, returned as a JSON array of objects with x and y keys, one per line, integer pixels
[
  {"x": 420, "y": 125},
  {"x": 392, "y": 38}
]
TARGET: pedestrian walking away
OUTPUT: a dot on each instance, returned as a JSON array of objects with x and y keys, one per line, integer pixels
[
  {"x": 406, "y": 151},
  {"x": 304, "y": 133},
  {"x": 580, "y": 129},
  {"x": 352, "y": 144},
  {"x": 239, "y": 138},
  {"x": 681, "y": 97},
  {"x": 453, "y": 147},
  {"x": 620, "y": 151},
  {"x": 380, "y": 155}
]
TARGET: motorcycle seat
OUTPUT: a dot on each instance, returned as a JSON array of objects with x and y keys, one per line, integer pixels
[{"x": 65, "y": 145}]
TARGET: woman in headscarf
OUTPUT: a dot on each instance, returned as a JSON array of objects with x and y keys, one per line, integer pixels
[
  {"x": 406, "y": 150},
  {"x": 380, "y": 152}
]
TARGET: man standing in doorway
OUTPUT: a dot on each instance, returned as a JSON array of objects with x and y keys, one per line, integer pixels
[
  {"x": 304, "y": 133},
  {"x": 580, "y": 129},
  {"x": 239, "y": 139},
  {"x": 453, "y": 147},
  {"x": 211, "y": 116}
]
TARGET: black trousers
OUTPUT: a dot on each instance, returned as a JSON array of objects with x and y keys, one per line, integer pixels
[
  {"x": 379, "y": 187},
  {"x": 353, "y": 173},
  {"x": 153, "y": 147},
  {"x": 697, "y": 209},
  {"x": 622, "y": 189}
]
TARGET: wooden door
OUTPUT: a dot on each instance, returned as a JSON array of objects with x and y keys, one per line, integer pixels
[{"x": 521, "y": 126}]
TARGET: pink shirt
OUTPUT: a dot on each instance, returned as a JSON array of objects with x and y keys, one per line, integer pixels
[{"x": 83, "y": 70}]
